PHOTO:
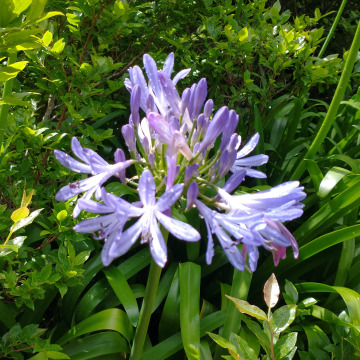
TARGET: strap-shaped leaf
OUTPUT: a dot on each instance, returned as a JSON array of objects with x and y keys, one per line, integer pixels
[
  {"x": 351, "y": 297},
  {"x": 190, "y": 277},
  {"x": 109, "y": 319},
  {"x": 97, "y": 345},
  {"x": 124, "y": 293}
]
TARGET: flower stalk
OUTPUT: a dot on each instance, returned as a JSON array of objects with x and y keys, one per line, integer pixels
[{"x": 146, "y": 310}]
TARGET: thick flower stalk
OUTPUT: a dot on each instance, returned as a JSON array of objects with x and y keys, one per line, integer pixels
[{"x": 181, "y": 149}]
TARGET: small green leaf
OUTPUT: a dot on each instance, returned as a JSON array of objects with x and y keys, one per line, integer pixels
[
  {"x": 285, "y": 345},
  {"x": 47, "y": 38},
  {"x": 62, "y": 215},
  {"x": 243, "y": 34},
  {"x": 226, "y": 344},
  {"x": 81, "y": 258},
  {"x": 45, "y": 273},
  {"x": 19, "y": 214},
  {"x": 248, "y": 309},
  {"x": 10, "y": 71},
  {"x": 56, "y": 355},
  {"x": 58, "y": 46},
  {"x": 283, "y": 317},
  {"x": 26, "y": 199}
]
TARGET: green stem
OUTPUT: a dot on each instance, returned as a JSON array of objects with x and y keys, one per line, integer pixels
[
  {"x": 332, "y": 30},
  {"x": 239, "y": 289},
  {"x": 146, "y": 310},
  {"x": 334, "y": 106},
  {"x": 7, "y": 91}
]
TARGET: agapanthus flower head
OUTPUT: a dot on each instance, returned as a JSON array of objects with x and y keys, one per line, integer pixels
[{"x": 182, "y": 149}]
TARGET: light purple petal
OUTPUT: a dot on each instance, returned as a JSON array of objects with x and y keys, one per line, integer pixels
[
  {"x": 210, "y": 245},
  {"x": 135, "y": 104},
  {"x": 180, "y": 75},
  {"x": 215, "y": 128},
  {"x": 231, "y": 251},
  {"x": 208, "y": 108},
  {"x": 199, "y": 97},
  {"x": 157, "y": 244},
  {"x": 178, "y": 228},
  {"x": 152, "y": 73},
  {"x": 169, "y": 197},
  {"x": 255, "y": 160},
  {"x": 94, "y": 206},
  {"x": 192, "y": 195},
  {"x": 147, "y": 188},
  {"x": 128, "y": 238},
  {"x": 69, "y": 191},
  {"x": 169, "y": 64},
  {"x": 234, "y": 181},
  {"x": 71, "y": 164},
  {"x": 94, "y": 224},
  {"x": 169, "y": 91},
  {"x": 77, "y": 149},
  {"x": 120, "y": 205},
  {"x": 249, "y": 147},
  {"x": 139, "y": 79},
  {"x": 161, "y": 127}
]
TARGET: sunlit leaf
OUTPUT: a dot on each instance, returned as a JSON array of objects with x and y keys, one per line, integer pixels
[
  {"x": 248, "y": 309},
  {"x": 20, "y": 214}
]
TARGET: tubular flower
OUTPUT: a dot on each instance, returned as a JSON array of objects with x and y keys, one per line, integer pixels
[{"x": 182, "y": 149}]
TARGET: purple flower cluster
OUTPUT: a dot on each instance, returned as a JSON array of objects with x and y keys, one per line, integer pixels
[{"x": 172, "y": 145}]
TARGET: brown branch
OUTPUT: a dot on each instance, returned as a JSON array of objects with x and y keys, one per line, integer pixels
[
  {"x": 89, "y": 37},
  {"x": 47, "y": 243}
]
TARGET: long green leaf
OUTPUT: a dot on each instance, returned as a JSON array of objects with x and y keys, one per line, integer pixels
[
  {"x": 329, "y": 213},
  {"x": 110, "y": 319},
  {"x": 173, "y": 344},
  {"x": 170, "y": 316},
  {"x": 351, "y": 297},
  {"x": 124, "y": 293},
  {"x": 190, "y": 278},
  {"x": 97, "y": 345}
]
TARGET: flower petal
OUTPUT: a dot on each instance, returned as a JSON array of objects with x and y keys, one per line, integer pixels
[
  {"x": 126, "y": 240},
  {"x": 94, "y": 224},
  {"x": 230, "y": 249},
  {"x": 178, "y": 228},
  {"x": 70, "y": 163},
  {"x": 169, "y": 64},
  {"x": 169, "y": 197},
  {"x": 180, "y": 75},
  {"x": 147, "y": 188},
  {"x": 249, "y": 146},
  {"x": 157, "y": 244}
]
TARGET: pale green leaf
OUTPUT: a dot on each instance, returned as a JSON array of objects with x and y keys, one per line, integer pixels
[
  {"x": 47, "y": 38},
  {"x": 248, "y": 309},
  {"x": 243, "y": 34},
  {"x": 19, "y": 214}
]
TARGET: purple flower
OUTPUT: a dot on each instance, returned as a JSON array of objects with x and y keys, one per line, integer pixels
[
  {"x": 118, "y": 242},
  {"x": 225, "y": 226},
  {"x": 160, "y": 87},
  {"x": 92, "y": 164},
  {"x": 280, "y": 203},
  {"x": 175, "y": 140}
]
